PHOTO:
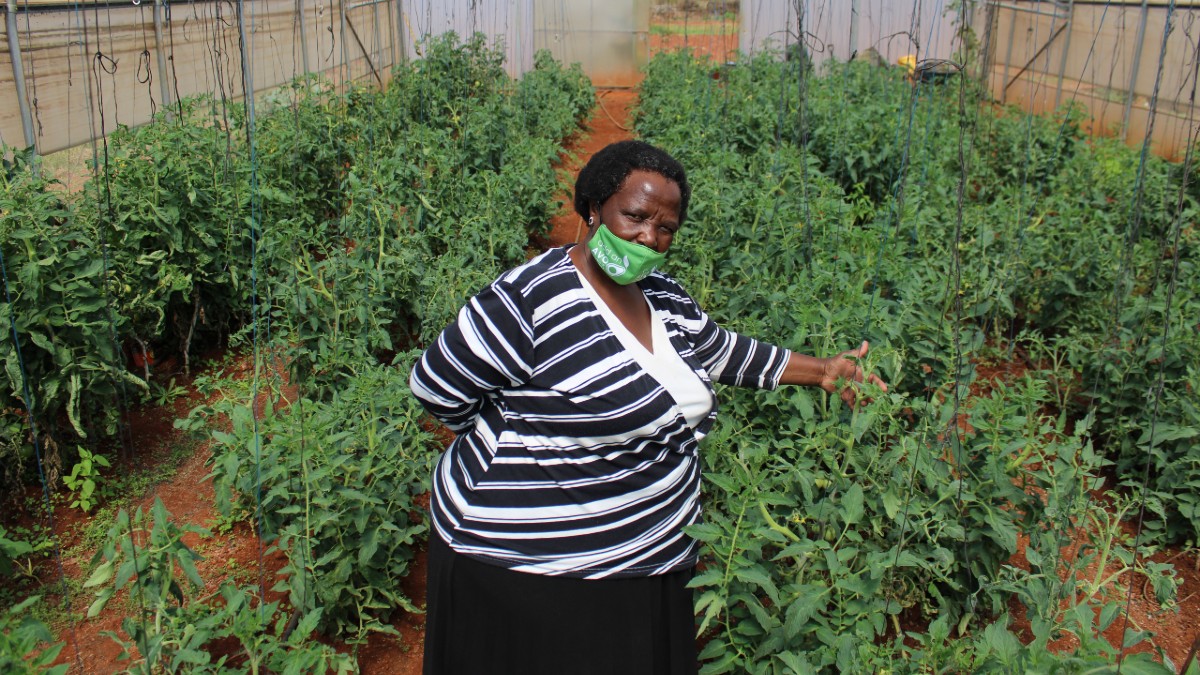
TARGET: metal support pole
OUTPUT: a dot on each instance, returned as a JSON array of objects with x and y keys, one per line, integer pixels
[
  {"x": 14, "y": 53},
  {"x": 1012, "y": 33},
  {"x": 247, "y": 66},
  {"x": 1133, "y": 71},
  {"x": 378, "y": 40},
  {"x": 400, "y": 30},
  {"x": 87, "y": 91},
  {"x": 987, "y": 56},
  {"x": 392, "y": 37},
  {"x": 346, "y": 76},
  {"x": 966, "y": 24},
  {"x": 164, "y": 88},
  {"x": 853, "y": 29},
  {"x": 303, "y": 37},
  {"x": 1062, "y": 66}
]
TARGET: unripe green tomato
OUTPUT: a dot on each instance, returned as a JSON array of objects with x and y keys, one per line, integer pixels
[{"x": 830, "y": 534}]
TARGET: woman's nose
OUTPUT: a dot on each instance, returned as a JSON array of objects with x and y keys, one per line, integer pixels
[{"x": 646, "y": 236}]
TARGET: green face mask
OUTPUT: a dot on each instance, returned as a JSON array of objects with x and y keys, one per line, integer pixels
[{"x": 624, "y": 261}]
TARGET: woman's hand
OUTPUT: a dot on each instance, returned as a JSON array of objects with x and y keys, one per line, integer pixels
[{"x": 844, "y": 368}]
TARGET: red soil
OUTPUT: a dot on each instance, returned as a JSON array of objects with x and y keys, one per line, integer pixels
[
  {"x": 609, "y": 124},
  {"x": 720, "y": 45},
  {"x": 1174, "y": 628}
]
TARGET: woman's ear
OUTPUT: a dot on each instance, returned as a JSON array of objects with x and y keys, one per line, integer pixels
[{"x": 593, "y": 219}]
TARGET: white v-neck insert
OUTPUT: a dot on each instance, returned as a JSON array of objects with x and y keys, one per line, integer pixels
[{"x": 662, "y": 362}]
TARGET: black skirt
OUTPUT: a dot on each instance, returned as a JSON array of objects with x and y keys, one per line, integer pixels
[{"x": 488, "y": 620}]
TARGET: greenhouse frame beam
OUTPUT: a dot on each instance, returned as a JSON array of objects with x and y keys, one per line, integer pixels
[
  {"x": 362, "y": 48},
  {"x": 365, "y": 3},
  {"x": 14, "y": 52},
  {"x": 1027, "y": 10},
  {"x": 1058, "y": 31}
]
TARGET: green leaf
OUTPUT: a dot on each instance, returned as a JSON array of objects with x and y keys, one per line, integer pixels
[
  {"x": 1134, "y": 637},
  {"x": 810, "y": 599},
  {"x": 192, "y": 656},
  {"x": 367, "y": 546},
  {"x": 852, "y": 504},
  {"x": 705, "y": 532},
  {"x": 125, "y": 573},
  {"x": 101, "y": 575},
  {"x": 189, "y": 569},
  {"x": 97, "y": 606},
  {"x": 1003, "y": 530},
  {"x": 755, "y": 575},
  {"x": 708, "y": 577},
  {"x": 804, "y": 402},
  {"x": 1002, "y": 642},
  {"x": 891, "y": 504},
  {"x": 1143, "y": 664},
  {"x": 796, "y": 664}
]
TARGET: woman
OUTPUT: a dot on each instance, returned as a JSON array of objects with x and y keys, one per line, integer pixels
[{"x": 580, "y": 385}]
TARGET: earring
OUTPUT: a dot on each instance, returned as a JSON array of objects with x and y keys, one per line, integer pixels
[{"x": 590, "y": 222}]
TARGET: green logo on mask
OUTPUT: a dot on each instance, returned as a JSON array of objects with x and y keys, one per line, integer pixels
[{"x": 625, "y": 262}]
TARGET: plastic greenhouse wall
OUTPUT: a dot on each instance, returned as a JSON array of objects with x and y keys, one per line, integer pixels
[
  {"x": 1103, "y": 56},
  {"x": 892, "y": 28},
  {"x": 609, "y": 39},
  {"x": 88, "y": 67},
  {"x": 1037, "y": 54}
]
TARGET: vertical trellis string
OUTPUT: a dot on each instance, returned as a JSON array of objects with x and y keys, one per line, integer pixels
[{"x": 255, "y": 216}]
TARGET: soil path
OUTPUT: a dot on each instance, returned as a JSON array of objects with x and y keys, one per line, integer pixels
[
  {"x": 187, "y": 493},
  {"x": 610, "y": 123},
  {"x": 706, "y": 38}
]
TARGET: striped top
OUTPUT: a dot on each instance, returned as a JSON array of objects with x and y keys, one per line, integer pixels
[{"x": 570, "y": 459}]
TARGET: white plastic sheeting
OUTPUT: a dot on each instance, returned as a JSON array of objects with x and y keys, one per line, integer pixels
[
  {"x": 90, "y": 68},
  {"x": 609, "y": 38},
  {"x": 508, "y": 23},
  {"x": 1089, "y": 55},
  {"x": 894, "y": 28}
]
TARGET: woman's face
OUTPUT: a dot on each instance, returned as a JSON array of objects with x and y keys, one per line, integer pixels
[{"x": 645, "y": 210}]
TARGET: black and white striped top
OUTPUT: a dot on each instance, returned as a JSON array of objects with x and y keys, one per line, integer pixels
[{"x": 570, "y": 459}]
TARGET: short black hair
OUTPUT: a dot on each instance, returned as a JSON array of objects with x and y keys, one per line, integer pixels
[{"x": 604, "y": 173}]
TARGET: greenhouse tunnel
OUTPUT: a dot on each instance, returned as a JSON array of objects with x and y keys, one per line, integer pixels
[{"x": 231, "y": 231}]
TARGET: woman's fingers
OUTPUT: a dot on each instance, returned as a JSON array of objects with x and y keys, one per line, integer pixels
[
  {"x": 852, "y": 372},
  {"x": 858, "y": 353},
  {"x": 875, "y": 380},
  {"x": 844, "y": 368}
]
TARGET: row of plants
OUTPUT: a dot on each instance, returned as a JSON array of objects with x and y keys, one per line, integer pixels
[
  {"x": 950, "y": 234},
  {"x": 355, "y": 230},
  {"x": 180, "y": 234}
]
